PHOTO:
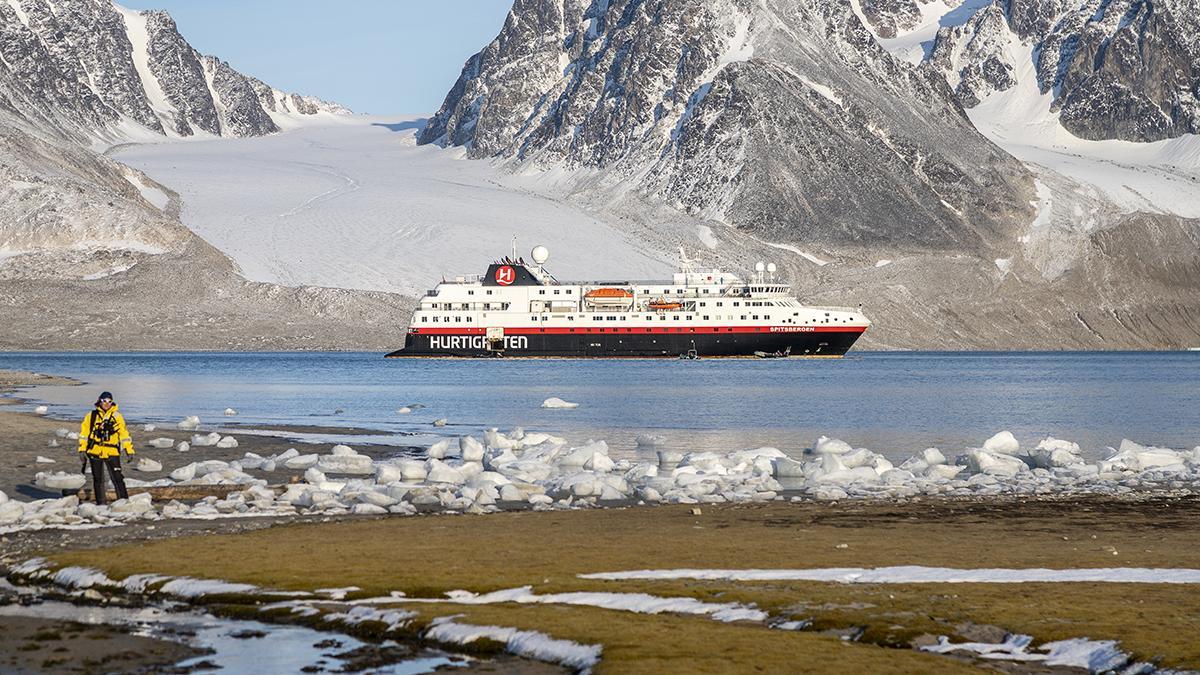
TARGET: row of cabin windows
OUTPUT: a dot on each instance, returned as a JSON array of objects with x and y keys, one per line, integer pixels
[{"x": 446, "y": 319}]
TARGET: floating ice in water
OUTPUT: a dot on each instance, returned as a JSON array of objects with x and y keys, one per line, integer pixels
[
  {"x": 555, "y": 402},
  {"x": 230, "y": 412},
  {"x": 189, "y": 423},
  {"x": 439, "y": 422},
  {"x": 41, "y": 410},
  {"x": 45, "y": 460},
  {"x": 59, "y": 480},
  {"x": 403, "y": 410},
  {"x": 161, "y": 443}
]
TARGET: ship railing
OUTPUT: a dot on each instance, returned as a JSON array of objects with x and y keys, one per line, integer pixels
[{"x": 829, "y": 308}]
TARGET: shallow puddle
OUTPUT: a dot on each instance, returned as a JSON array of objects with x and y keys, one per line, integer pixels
[{"x": 246, "y": 646}]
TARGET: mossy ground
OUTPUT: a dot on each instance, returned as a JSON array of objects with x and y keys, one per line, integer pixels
[{"x": 427, "y": 556}]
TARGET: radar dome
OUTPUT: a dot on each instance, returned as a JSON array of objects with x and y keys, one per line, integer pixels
[
  {"x": 540, "y": 254},
  {"x": 760, "y": 266},
  {"x": 771, "y": 268}
]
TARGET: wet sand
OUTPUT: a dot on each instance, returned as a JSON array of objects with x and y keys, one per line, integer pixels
[{"x": 30, "y": 645}]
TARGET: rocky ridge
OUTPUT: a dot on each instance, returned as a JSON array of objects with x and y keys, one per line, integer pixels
[
  {"x": 1111, "y": 69},
  {"x": 785, "y": 119},
  {"x": 89, "y": 66},
  {"x": 92, "y": 253}
]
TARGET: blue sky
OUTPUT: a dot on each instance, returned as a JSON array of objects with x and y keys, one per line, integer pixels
[{"x": 375, "y": 56}]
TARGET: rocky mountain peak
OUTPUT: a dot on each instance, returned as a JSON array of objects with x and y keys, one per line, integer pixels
[{"x": 785, "y": 119}]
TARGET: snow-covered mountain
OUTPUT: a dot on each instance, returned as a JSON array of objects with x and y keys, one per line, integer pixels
[
  {"x": 1109, "y": 69},
  {"x": 782, "y": 117},
  {"x": 92, "y": 252},
  {"x": 929, "y": 158},
  {"x": 93, "y": 67}
]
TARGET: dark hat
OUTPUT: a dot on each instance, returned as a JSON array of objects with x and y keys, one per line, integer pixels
[{"x": 104, "y": 394}]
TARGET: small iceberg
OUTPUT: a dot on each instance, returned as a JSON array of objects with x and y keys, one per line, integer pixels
[{"x": 555, "y": 402}]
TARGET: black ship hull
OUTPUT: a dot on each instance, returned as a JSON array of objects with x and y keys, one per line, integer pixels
[{"x": 822, "y": 341}]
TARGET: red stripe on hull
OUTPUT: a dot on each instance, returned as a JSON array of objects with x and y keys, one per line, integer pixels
[{"x": 641, "y": 330}]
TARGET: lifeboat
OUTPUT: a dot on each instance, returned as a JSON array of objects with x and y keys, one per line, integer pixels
[
  {"x": 661, "y": 305},
  {"x": 609, "y": 297}
]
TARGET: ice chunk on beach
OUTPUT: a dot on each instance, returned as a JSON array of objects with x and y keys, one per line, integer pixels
[
  {"x": 555, "y": 402},
  {"x": 388, "y": 473},
  {"x": 994, "y": 463},
  {"x": 148, "y": 427},
  {"x": 1135, "y": 457},
  {"x": 161, "y": 443},
  {"x": 470, "y": 449},
  {"x": 352, "y": 464},
  {"x": 44, "y": 460},
  {"x": 441, "y": 472},
  {"x": 1003, "y": 443},
  {"x": 649, "y": 440},
  {"x": 41, "y": 410},
  {"x": 1052, "y": 452},
  {"x": 205, "y": 440},
  {"x": 59, "y": 480},
  {"x": 147, "y": 465},
  {"x": 301, "y": 461},
  {"x": 831, "y": 446},
  {"x": 342, "y": 451},
  {"x": 189, "y": 423},
  {"x": 53, "y": 443},
  {"x": 11, "y": 512},
  {"x": 183, "y": 446},
  {"x": 439, "y": 449},
  {"x": 582, "y": 455},
  {"x": 230, "y": 412},
  {"x": 413, "y": 470},
  {"x": 227, "y": 442}
]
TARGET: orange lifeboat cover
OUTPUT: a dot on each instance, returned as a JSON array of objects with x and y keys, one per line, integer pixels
[{"x": 608, "y": 293}]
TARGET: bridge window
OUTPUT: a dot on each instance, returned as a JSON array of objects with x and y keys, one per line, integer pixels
[
  {"x": 435, "y": 319},
  {"x": 489, "y": 291},
  {"x": 424, "y": 319},
  {"x": 470, "y": 292}
]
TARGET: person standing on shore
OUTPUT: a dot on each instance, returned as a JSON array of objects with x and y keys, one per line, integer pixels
[{"x": 101, "y": 437}]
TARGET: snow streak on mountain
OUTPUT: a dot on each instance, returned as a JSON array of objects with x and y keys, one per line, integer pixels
[{"x": 784, "y": 118}]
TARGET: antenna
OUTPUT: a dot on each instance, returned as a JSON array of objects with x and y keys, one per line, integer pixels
[{"x": 514, "y": 248}]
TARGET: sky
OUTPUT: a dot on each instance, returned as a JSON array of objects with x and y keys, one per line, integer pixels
[{"x": 373, "y": 56}]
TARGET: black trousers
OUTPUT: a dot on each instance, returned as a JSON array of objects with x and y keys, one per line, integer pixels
[{"x": 114, "y": 471}]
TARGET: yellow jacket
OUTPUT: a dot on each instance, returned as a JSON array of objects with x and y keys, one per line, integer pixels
[{"x": 93, "y": 430}]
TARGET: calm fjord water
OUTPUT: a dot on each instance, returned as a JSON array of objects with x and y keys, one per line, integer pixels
[{"x": 894, "y": 403}]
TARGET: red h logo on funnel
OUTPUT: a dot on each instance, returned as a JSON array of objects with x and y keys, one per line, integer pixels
[{"x": 505, "y": 275}]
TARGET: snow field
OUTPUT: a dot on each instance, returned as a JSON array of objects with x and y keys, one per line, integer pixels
[
  {"x": 357, "y": 204},
  {"x": 542, "y": 471}
]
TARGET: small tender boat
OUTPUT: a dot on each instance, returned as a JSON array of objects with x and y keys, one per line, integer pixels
[
  {"x": 661, "y": 305},
  {"x": 609, "y": 298},
  {"x": 689, "y": 355}
]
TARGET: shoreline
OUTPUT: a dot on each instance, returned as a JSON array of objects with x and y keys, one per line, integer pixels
[{"x": 439, "y": 548}]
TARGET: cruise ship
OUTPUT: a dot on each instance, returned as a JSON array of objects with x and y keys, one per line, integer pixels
[{"x": 518, "y": 309}]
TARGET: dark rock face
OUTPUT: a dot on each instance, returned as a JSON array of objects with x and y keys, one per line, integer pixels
[
  {"x": 180, "y": 74},
  {"x": 1117, "y": 69},
  {"x": 72, "y": 65},
  {"x": 783, "y": 118},
  {"x": 1128, "y": 74}
]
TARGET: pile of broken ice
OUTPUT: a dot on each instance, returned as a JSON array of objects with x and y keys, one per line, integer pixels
[{"x": 528, "y": 469}]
